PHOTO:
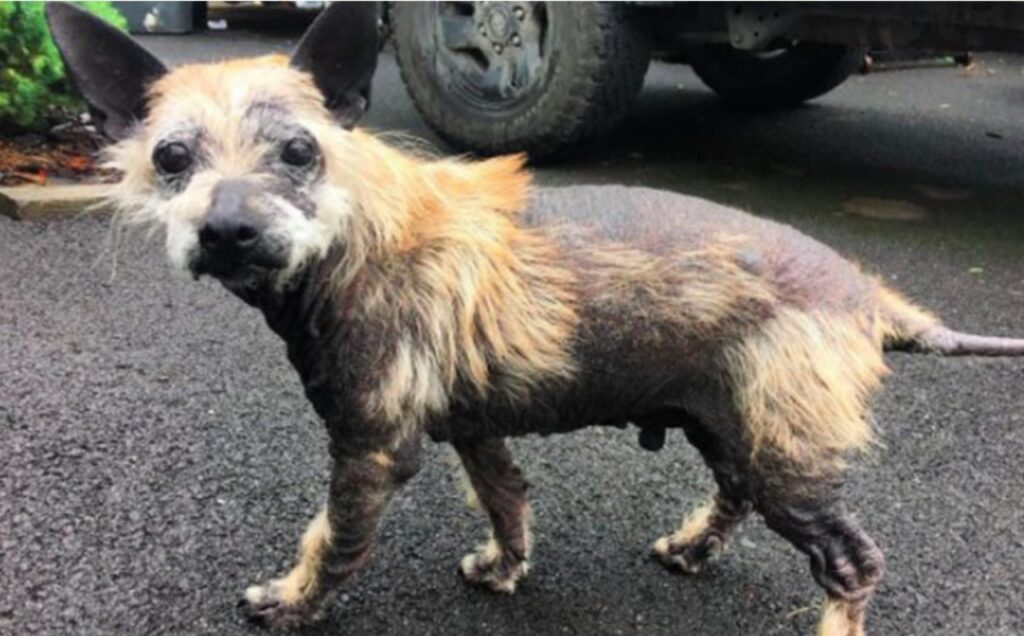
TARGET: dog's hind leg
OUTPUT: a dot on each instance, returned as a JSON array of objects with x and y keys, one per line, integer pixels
[
  {"x": 844, "y": 559},
  {"x": 500, "y": 488},
  {"x": 703, "y": 533}
]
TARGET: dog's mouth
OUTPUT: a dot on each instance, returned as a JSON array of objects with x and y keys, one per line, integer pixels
[{"x": 239, "y": 268}]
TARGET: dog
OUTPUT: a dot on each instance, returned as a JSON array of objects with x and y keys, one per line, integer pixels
[{"x": 448, "y": 299}]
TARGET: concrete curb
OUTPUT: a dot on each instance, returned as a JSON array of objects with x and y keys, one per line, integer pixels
[{"x": 53, "y": 202}]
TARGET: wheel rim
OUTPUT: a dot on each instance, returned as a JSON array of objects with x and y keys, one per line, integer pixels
[{"x": 492, "y": 54}]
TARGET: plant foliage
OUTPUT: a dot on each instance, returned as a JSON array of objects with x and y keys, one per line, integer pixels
[{"x": 33, "y": 89}]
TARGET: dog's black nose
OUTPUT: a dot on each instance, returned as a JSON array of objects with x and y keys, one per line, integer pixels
[
  {"x": 222, "y": 233},
  {"x": 230, "y": 226}
]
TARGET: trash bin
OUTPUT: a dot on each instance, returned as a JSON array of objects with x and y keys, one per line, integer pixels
[{"x": 158, "y": 17}]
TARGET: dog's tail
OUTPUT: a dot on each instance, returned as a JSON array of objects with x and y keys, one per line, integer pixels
[{"x": 911, "y": 329}]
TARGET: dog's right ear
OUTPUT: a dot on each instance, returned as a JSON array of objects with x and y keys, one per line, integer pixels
[
  {"x": 107, "y": 67},
  {"x": 340, "y": 51}
]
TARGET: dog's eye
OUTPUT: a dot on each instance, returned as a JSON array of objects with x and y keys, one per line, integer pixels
[
  {"x": 172, "y": 158},
  {"x": 298, "y": 152}
]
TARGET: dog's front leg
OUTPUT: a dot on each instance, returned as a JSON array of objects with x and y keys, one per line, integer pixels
[{"x": 337, "y": 542}]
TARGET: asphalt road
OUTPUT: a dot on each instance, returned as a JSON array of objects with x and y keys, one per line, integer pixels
[{"x": 157, "y": 454}]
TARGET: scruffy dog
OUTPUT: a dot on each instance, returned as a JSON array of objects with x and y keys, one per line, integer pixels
[{"x": 445, "y": 298}]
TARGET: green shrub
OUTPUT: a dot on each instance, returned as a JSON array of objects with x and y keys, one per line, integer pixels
[{"x": 32, "y": 86}]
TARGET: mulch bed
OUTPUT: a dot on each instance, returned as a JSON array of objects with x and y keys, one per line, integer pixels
[{"x": 68, "y": 152}]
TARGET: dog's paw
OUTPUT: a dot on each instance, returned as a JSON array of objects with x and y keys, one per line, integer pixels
[
  {"x": 264, "y": 605},
  {"x": 689, "y": 557},
  {"x": 486, "y": 570}
]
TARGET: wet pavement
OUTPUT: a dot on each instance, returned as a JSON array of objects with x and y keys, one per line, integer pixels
[{"x": 157, "y": 454}]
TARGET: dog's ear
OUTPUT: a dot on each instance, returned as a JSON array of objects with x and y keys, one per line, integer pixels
[
  {"x": 340, "y": 51},
  {"x": 107, "y": 67}
]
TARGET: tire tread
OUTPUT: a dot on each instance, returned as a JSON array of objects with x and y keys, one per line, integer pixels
[{"x": 602, "y": 84}]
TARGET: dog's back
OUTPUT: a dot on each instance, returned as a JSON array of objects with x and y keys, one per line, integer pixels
[{"x": 803, "y": 272}]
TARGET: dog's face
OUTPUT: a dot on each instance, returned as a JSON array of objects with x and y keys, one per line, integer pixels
[{"x": 231, "y": 159}]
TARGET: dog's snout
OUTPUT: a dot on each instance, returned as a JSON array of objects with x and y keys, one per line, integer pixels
[
  {"x": 234, "y": 237},
  {"x": 230, "y": 225},
  {"x": 228, "y": 232}
]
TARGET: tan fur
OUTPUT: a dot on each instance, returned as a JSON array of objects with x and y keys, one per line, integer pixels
[
  {"x": 902, "y": 320},
  {"x": 694, "y": 525},
  {"x": 301, "y": 580},
  {"x": 300, "y": 583},
  {"x": 695, "y": 292},
  {"x": 382, "y": 460},
  {"x": 469, "y": 495},
  {"x": 512, "y": 305},
  {"x": 802, "y": 383},
  {"x": 840, "y": 618},
  {"x": 666, "y": 549},
  {"x": 482, "y": 565},
  {"x": 213, "y": 96},
  {"x": 486, "y": 293},
  {"x": 412, "y": 384}
]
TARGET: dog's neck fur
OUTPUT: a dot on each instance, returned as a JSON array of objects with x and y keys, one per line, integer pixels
[{"x": 331, "y": 342}]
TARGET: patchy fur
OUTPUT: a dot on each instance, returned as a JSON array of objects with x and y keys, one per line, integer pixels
[
  {"x": 840, "y": 618},
  {"x": 300, "y": 584},
  {"x": 500, "y": 490},
  {"x": 301, "y": 581},
  {"x": 702, "y": 535},
  {"x": 902, "y": 321},
  {"x": 803, "y": 383},
  {"x": 482, "y": 293},
  {"x": 697, "y": 292}
]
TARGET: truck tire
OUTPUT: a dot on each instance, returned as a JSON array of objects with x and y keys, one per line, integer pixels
[
  {"x": 535, "y": 77},
  {"x": 774, "y": 79}
]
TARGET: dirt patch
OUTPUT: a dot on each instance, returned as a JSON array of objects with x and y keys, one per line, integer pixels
[{"x": 67, "y": 153}]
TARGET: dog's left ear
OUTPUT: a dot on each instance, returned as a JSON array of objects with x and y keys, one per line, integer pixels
[
  {"x": 340, "y": 51},
  {"x": 111, "y": 71}
]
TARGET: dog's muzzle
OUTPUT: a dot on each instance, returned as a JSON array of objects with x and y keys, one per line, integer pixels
[{"x": 233, "y": 239}]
